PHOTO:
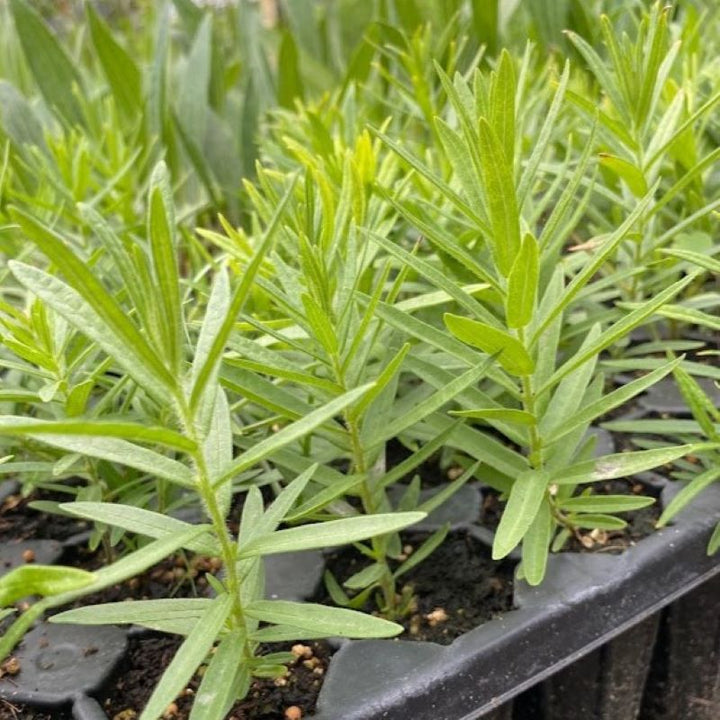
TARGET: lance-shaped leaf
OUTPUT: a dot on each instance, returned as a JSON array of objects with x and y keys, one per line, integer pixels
[
  {"x": 321, "y": 619},
  {"x": 41, "y": 580},
  {"x": 501, "y": 199},
  {"x": 147, "y": 613},
  {"x": 610, "y": 467},
  {"x": 536, "y": 545},
  {"x": 292, "y": 432},
  {"x": 54, "y": 72},
  {"x": 187, "y": 659},
  {"x": 522, "y": 284},
  {"x": 140, "y": 520},
  {"x": 626, "y": 171},
  {"x": 526, "y": 496},
  {"x": 511, "y": 353},
  {"x": 605, "y": 503},
  {"x": 161, "y": 233},
  {"x": 120, "y": 69},
  {"x": 329, "y": 534},
  {"x": 502, "y": 105},
  {"x": 123, "y": 452}
]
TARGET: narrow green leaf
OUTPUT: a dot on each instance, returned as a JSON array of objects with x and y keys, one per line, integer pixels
[
  {"x": 433, "y": 274},
  {"x": 459, "y": 155},
  {"x": 609, "y": 402},
  {"x": 365, "y": 577},
  {"x": 141, "y": 521},
  {"x": 428, "y": 546},
  {"x": 41, "y": 580},
  {"x": 431, "y": 177},
  {"x": 605, "y": 503},
  {"x": 590, "y": 270},
  {"x": 381, "y": 382},
  {"x": 292, "y": 432},
  {"x": 714, "y": 542},
  {"x": 516, "y": 417},
  {"x": 207, "y": 371},
  {"x": 320, "y": 324},
  {"x": 430, "y": 405},
  {"x": 123, "y": 452},
  {"x": 627, "y": 172},
  {"x": 522, "y": 284},
  {"x": 536, "y": 545},
  {"x": 322, "y": 619},
  {"x": 161, "y": 233},
  {"x": 132, "y": 564},
  {"x": 336, "y": 489},
  {"x": 502, "y": 202},
  {"x": 329, "y": 534},
  {"x": 688, "y": 494},
  {"x": 617, "y": 330},
  {"x": 187, "y": 659},
  {"x": 138, "y": 612},
  {"x": 418, "y": 457},
  {"x": 526, "y": 496},
  {"x": 697, "y": 258},
  {"x": 511, "y": 353},
  {"x": 118, "y": 66},
  {"x": 220, "y": 683},
  {"x": 290, "y": 82},
  {"x": 86, "y": 305},
  {"x": 542, "y": 142},
  {"x": 55, "y": 73},
  {"x": 569, "y": 394},
  {"x": 193, "y": 101},
  {"x": 623, "y": 465},
  {"x": 502, "y": 105},
  {"x": 284, "y": 502}
]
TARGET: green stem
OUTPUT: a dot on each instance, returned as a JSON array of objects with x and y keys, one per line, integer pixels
[
  {"x": 379, "y": 544},
  {"x": 529, "y": 405},
  {"x": 206, "y": 491}
]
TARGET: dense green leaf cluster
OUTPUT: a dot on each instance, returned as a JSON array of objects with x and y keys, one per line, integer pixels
[{"x": 247, "y": 256}]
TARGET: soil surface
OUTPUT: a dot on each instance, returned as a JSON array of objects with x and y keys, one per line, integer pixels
[
  {"x": 9, "y": 711},
  {"x": 149, "y": 655},
  {"x": 457, "y": 588},
  {"x": 19, "y": 522}
]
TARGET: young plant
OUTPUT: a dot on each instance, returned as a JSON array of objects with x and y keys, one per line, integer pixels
[
  {"x": 321, "y": 339},
  {"x": 151, "y": 350},
  {"x": 535, "y": 313}
]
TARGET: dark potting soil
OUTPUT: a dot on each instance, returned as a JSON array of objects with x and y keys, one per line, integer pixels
[
  {"x": 149, "y": 655},
  {"x": 20, "y": 522},
  {"x": 10, "y": 711},
  {"x": 457, "y": 588},
  {"x": 640, "y": 523}
]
